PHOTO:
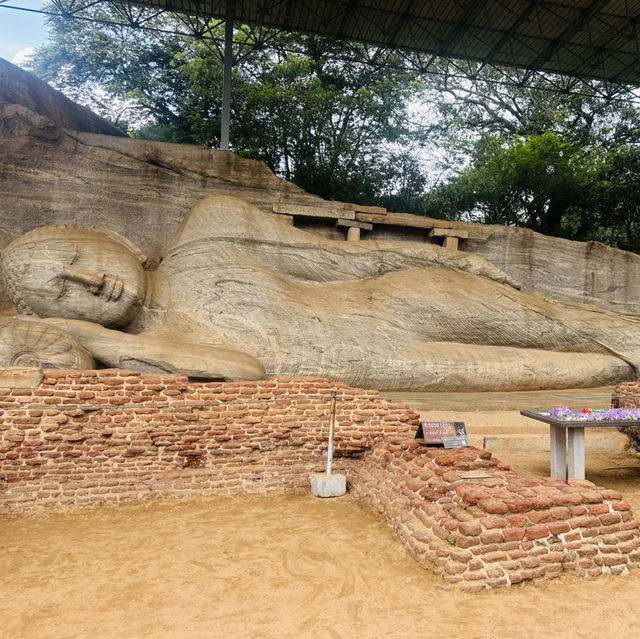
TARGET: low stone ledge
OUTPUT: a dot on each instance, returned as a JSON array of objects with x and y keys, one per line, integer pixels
[{"x": 480, "y": 525}]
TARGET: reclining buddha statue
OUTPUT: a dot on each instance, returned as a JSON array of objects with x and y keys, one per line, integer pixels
[{"x": 241, "y": 294}]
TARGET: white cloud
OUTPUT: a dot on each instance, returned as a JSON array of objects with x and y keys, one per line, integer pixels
[{"x": 21, "y": 58}]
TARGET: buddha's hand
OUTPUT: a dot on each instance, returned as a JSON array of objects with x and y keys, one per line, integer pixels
[{"x": 147, "y": 352}]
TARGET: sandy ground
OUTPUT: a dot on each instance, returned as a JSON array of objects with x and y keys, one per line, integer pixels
[{"x": 280, "y": 566}]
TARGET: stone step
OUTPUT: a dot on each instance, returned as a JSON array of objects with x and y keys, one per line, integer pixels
[
  {"x": 611, "y": 441},
  {"x": 575, "y": 398}
]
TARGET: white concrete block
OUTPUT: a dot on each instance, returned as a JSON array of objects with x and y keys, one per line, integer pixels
[{"x": 323, "y": 485}]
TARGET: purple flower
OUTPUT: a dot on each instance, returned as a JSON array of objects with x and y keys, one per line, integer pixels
[{"x": 612, "y": 414}]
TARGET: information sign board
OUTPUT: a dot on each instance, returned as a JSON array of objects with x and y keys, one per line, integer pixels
[{"x": 447, "y": 434}]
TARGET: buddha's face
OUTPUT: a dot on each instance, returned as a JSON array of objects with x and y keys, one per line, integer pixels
[{"x": 74, "y": 273}]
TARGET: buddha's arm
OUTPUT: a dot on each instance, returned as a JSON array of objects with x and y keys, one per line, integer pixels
[
  {"x": 315, "y": 259},
  {"x": 166, "y": 353}
]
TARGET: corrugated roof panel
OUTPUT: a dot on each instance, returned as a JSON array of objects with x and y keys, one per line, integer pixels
[{"x": 548, "y": 34}]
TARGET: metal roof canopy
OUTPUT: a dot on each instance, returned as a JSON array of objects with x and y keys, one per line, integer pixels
[{"x": 596, "y": 39}]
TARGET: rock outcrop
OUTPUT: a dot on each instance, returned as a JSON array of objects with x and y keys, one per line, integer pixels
[
  {"x": 390, "y": 309},
  {"x": 61, "y": 164},
  {"x": 241, "y": 294},
  {"x": 19, "y": 87}
]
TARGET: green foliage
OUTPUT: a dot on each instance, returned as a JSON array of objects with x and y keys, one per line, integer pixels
[
  {"x": 615, "y": 215},
  {"x": 327, "y": 124},
  {"x": 327, "y": 116}
]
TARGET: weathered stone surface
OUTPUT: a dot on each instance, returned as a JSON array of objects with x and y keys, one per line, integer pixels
[
  {"x": 582, "y": 272},
  {"x": 22, "y": 88},
  {"x": 238, "y": 281},
  {"x": 239, "y": 285},
  {"x": 59, "y": 163},
  {"x": 141, "y": 190},
  {"x": 29, "y": 344},
  {"x": 20, "y": 377}
]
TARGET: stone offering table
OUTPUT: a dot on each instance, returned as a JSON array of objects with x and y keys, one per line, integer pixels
[{"x": 567, "y": 441}]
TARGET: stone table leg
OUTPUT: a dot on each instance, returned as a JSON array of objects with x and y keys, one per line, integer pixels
[
  {"x": 576, "y": 453},
  {"x": 558, "y": 447}
]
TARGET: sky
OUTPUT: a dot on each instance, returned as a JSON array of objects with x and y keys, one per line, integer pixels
[{"x": 20, "y": 31}]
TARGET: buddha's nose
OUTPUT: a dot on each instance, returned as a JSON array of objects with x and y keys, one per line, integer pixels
[{"x": 89, "y": 278}]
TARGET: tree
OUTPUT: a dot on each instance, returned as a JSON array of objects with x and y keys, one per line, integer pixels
[
  {"x": 523, "y": 181},
  {"x": 473, "y": 100},
  {"x": 616, "y": 195},
  {"x": 332, "y": 125},
  {"x": 536, "y": 157},
  {"x": 342, "y": 120}
]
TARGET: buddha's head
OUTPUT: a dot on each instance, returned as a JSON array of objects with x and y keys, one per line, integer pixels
[{"x": 75, "y": 273}]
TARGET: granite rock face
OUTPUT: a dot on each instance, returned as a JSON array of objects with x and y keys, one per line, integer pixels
[
  {"x": 61, "y": 164},
  {"x": 241, "y": 294},
  {"x": 20, "y": 87},
  {"x": 582, "y": 272},
  {"x": 234, "y": 291}
]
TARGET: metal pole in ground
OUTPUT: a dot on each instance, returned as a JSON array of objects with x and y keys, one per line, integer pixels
[
  {"x": 327, "y": 484},
  {"x": 332, "y": 427}
]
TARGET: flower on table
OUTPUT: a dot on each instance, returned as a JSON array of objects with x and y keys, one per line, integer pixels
[{"x": 589, "y": 414}]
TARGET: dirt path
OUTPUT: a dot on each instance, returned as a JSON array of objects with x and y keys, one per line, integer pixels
[{"x": 281, "y": 566}]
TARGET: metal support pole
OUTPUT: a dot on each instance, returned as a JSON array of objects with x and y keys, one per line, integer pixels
[
  {"x": 332, "y": 426},
  {"x": 226, "y": 76}
]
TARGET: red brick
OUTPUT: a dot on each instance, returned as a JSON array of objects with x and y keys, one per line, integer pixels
[
  {"x": 559, "y": 527},
  {"x": 513, "y": 534},
  {"x": 467, "y": 542},
  {"x": 517, "y": 521},
  {"x": 493, "y": 522},
  {"x": 614, "y": 560},
  {"x": 492, "y": 537},
  {"x": 541, "y": 502},
  {"x": 609, "y": 519},
  {"x": 540, "y": 517},
  {"x": 493, "y": 506},
  {"x": 585, "y": 522},
  {"x": 537, "y": 532},
  {"x": 470, "y": 528},
  {"x": 553, "y": 558},
  {"x": 517, "y": 505},
  {"x": 592, "y": 496}
]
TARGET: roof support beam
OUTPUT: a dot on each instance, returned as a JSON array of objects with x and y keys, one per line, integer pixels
[
  {"x": 461, "y": 27},
  {"x": 561, "y": 41},
  {"x": 506, "y": 37}
]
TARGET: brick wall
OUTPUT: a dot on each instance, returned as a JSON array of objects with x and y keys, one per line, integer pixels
[
  {"x": 110, "y": 435},
  {"x": 481, "y": 525},
  {"x": 627, "y": 395}
]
